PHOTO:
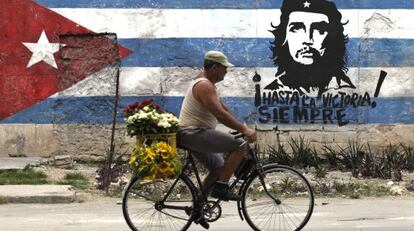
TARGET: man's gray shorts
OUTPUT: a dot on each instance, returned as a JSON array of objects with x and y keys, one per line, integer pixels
[{"x": 205, "y": 144}]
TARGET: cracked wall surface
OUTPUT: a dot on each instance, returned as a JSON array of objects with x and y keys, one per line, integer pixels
[{"x": 166, "y": 44}]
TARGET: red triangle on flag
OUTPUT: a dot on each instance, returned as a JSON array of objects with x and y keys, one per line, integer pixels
[{"x": 34, "y": 66}]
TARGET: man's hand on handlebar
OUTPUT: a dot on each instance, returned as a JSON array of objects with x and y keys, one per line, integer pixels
[{"x": 250, "y": 134}]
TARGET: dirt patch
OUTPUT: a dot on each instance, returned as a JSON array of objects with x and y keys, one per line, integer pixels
[{"x": 334, "y": 184}]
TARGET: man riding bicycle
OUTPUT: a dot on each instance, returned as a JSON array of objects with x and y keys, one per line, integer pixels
[
  {"x": 174, "y": 204},
  {"x": 202, "y": 109}
]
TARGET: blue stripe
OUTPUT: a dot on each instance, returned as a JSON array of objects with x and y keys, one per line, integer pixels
[
  {"x": 98, "y": 110},
  {"x": 228, "y": 4},
  {"x": 255, "y": 52}
]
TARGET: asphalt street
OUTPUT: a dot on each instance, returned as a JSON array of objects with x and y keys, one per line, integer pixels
[{"x": 380, "y": 214}]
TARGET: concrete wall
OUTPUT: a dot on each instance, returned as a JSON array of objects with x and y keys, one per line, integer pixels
[{"x": 49, "y": 109}]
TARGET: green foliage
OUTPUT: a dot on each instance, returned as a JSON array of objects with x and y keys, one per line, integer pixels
[
  {"x": 302, "y": 154},
  {"x": 409, "y": 156},
  {"x": 278, "y": 155},
  {"x": 394, "y": 162},
  {"x": 386, "y": 163},
  {"x": 77, "y": 180},
  {"x": 353, "y": 156},
  {"x": 333, "y": 157},
  {"x": 319, "y": 172},
  {"x": 26, "y": 176},
  {"x": 353, "y": 190}
]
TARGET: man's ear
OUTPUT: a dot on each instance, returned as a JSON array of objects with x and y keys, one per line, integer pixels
[{"x": 215, "y": 66}]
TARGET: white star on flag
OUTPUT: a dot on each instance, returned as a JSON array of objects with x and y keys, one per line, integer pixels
[
  {"x": 43, "y": 50},
  {"x": 306, "y": 4}
]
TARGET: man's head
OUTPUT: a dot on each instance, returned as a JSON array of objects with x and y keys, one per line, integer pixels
[
  {"x": 310, "y": 39},
  {"x": 216, "y": 57},
  {"x": 216, "y": 64}
]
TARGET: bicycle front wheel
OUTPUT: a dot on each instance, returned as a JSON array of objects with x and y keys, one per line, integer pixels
[
  {"x": 285, "y": 204},
  {"x": 159, "y": 205}
]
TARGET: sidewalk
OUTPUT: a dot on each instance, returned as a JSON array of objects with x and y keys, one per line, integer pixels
[
  {"x": 105, "y": 214},
  {"x": 49, "y": 194}
]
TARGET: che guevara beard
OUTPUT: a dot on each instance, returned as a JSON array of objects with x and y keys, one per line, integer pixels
[{"x": 317, "y": 74}]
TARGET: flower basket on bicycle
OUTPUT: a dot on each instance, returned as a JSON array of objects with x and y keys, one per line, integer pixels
[{"x": 155, "y": 154}]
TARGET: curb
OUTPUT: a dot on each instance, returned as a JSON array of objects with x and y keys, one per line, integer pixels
[{"x": 44, "y": 194}]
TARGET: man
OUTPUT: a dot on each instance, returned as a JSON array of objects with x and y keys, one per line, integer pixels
[
  {"x": 309, "y": 48},
  {"x": 200, "y": 112}
]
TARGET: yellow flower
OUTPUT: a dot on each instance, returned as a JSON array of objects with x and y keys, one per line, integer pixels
[
  {"x": 165, "y": 155},
  {"x": 169, "y": 172},
  {"x": 140, "y": 169},
  {"x": 159, "y": 160},
  {"x": 162, "y": 146},
  {"x": 150, "y": 152},
  {"x": 163, "y": 166},
  {"x": 171, "y": 165},
  {"x": 132, "y": 159},
  {"x": 148, "y": 160},
  {"x": 150, "y": 177}
]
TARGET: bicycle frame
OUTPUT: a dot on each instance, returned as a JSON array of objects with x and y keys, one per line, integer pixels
[
  {"x": 198, "y": 208},
  {"x": 257, "y": 169}
]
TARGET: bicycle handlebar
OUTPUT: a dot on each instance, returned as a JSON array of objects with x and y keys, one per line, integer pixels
[{"x": 237, "y": 134}]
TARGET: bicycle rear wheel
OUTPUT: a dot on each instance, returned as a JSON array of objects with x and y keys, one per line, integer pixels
[
  {"x": 159, "y": 205},
  {"x": 292, "y": 203}
]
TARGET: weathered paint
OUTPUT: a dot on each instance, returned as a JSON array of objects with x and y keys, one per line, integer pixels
[
  {"x": 230, "y": 4},
  {"x": 83, "y": 142},
  {"x": 29, "y": 45},
  {"x": 83, "y": 110},
  {"x": 248, "y": 23},
  {"x": 362, "y": 52},
  {"x": 168, "y": 39}
]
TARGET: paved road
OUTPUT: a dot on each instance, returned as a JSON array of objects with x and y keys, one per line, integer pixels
[{"x": 386, "y": 214}]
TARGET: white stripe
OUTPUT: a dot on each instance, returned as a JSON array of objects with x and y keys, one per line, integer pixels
[
  {"x": 225, "y": 23},
  {"x": 173, "y": 81},
  {"x": 238, "y": 82},
  {"x": 102, "y": 82}
]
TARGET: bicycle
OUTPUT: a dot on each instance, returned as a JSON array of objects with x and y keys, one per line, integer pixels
[{"x": 268, "y": 191}]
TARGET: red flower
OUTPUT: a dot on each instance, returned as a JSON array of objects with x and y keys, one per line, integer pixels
[{"x": 146, "y": 102}]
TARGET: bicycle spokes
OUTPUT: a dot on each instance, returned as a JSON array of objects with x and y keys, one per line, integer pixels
[
  {"x": 159, "y": 205},
  {"x": 280, "y": 199}
]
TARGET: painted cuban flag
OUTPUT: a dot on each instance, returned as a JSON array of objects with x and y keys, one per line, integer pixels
[{"x": 163, "y": 43}]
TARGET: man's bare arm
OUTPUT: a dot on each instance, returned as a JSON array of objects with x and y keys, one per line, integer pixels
[
  {"x": 224, "y": 106},
  {"x": 206, "y": 93}
]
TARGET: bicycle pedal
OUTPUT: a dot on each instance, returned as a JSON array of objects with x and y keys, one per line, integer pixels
[{"x": 201, "y": 221}]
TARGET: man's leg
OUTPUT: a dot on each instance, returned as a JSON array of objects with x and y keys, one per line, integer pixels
[
  {"x": 221, "y": 187},
  {"x": 232, "y": 163},
  {"x": 225, "y": 172},
  {"x": 205, "y": 144},
  {"x": 210, "y": 179}
]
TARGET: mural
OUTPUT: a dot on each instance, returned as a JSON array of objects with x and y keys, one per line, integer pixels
[
  {"x": 311, "y": 85},
  {"x": 38, "y": 58},
  {"x": 325, "y": 65},
  {"x": 162, "y": 44}
]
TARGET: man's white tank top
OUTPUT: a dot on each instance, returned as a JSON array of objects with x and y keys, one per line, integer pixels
[{"x": 193, "y": 113}]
